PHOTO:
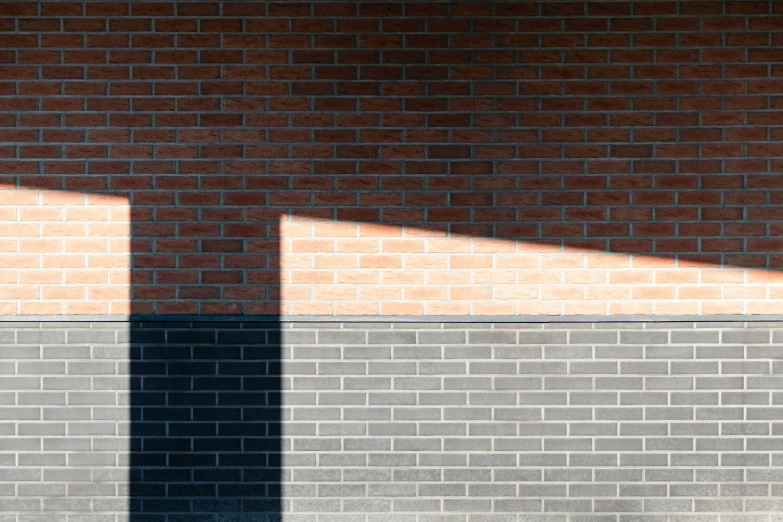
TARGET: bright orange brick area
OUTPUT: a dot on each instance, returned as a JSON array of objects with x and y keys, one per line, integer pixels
[
  {"x": 354, "y": 268},
  {"x": 63, "y": 253}
]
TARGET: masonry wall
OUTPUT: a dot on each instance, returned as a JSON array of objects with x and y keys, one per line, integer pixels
[
  {"x": 403, "y": 421},
  {"x": 390, "y": 158},
  {"x": 247, "y": 161}
]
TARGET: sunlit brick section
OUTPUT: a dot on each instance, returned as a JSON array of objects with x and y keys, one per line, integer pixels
[
  {"x": 69, "y": 253},
  {"x": 63, "y": 252},
  {"x": 359, "y": 268}
]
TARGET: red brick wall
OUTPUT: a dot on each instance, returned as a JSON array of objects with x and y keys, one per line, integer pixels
[{"x": 405, "y": 158}]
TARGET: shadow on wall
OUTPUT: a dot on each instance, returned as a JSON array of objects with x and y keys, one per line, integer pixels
[
  {"x": 206, "y": 416},
  {"x": 205, "y": 401},
  {"x": 206, "y": 421},
  {"x": 205, "y": 396}
]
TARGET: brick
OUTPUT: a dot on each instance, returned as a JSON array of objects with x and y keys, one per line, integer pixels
[
  {"x": 644, "y": 337},
  {"x": 391, "y": 337},
  {"x": 745, "y": 337},
  {"x": 342, "y": 337},
  {"x": 441, "y": 337},
  {"x": 594, "y": 337},
  {"x": 40, "y": 337},
  {"x": 90, "y": 337},
  {"x": 490, "y": 337}
]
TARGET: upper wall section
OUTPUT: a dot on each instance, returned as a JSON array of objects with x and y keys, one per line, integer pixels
[{"x": 391, "y": 158}]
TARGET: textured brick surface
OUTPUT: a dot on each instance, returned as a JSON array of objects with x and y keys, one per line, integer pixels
[
  {"x": 618, "y": 153},
  {"x": 535, "y": 423}
]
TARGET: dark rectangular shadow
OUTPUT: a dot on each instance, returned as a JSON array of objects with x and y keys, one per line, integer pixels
[{"x": 205, "y": 421}]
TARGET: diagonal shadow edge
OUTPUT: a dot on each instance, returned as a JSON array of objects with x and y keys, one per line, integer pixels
[{"x": 767, "y": 254}]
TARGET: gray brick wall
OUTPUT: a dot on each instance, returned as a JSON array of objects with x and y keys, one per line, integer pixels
[{"x": 244, "y": 421}]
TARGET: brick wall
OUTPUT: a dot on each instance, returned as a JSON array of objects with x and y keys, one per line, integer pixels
[
  {"x": 405, "y": 158},
  {"x": 390, "y": 421},
  {"x": 419, "y": 158}
]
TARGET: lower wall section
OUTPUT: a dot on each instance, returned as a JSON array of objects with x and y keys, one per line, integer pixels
[{"x": 391, "y": 421}]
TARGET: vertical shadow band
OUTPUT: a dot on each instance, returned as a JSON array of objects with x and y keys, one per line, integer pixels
[{"x": 205, "y": 421}]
